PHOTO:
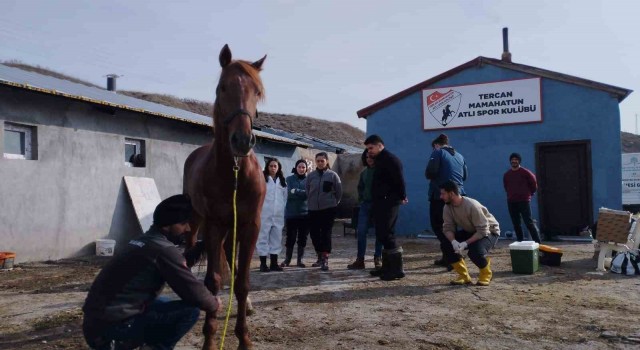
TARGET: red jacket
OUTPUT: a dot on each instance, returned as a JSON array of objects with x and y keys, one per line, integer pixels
[{"x": 520, "y": 185}]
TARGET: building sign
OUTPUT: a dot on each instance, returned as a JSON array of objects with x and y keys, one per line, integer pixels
[
  {"x": 631, "y": 178},
  {"x": 504, "y": 102}
]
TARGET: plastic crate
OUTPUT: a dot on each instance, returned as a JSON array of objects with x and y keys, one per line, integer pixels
[{"x": 550, "y": 256}]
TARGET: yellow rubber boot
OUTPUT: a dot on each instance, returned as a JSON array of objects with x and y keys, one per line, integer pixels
[
  {"x": 463, "y": 274},
  {"x": 485, "y": 274}
]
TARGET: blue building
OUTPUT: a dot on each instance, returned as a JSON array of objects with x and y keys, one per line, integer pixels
[{"x": 566, "y": 128}]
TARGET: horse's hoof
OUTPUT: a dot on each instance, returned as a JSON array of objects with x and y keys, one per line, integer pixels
[{"x": 251, "y": 312}]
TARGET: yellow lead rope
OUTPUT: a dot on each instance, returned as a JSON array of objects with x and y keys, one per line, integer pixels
[{"x": 233, "y": 256}]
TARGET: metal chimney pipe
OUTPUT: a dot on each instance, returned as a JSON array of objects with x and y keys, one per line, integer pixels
[
  {"x": 506, "y": 55},
  {"x": 111, "y": 81}
]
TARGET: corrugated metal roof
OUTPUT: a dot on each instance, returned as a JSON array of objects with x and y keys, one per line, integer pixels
[
  {"x": 46, "y": 84},
  {"x": 315, "y": 142},
  {"x": 273, "y": 137}
]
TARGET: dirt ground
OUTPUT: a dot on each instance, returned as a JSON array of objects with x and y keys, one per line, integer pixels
[{"x": 566, "y": 307}]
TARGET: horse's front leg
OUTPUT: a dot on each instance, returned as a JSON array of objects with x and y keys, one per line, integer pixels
[
  {"x": 213, "y": 237},
  {"x": 242, "y": 286},
  {"x": 229, "y": 253}
]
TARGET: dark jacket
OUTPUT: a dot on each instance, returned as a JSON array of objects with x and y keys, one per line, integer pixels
[
  {"x": 445, "y": 164},
  {"x": 296, "y": 197},
  {"x": 136, "y": 276},
  {"x": 388, "y": 181},
  {"x": 364, "y": 185}
]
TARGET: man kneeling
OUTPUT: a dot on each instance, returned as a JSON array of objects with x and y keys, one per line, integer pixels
[
  {"x": 468, "y": 224},
  {"x": 123, "y": 309}
]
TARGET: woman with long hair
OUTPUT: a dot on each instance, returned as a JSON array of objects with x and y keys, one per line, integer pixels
[
  {"x": 296, "y": 213},
  {"x": 324, "y": 191},
  {"x": 272, "y": 216}
]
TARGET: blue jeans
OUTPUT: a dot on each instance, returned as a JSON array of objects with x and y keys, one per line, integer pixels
[
  {"x": 364, "y": 224},
  {"x": 161, "y": 326}
]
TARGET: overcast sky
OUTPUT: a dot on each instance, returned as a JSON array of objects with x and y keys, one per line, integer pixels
[{"x": 326, "y": 59}]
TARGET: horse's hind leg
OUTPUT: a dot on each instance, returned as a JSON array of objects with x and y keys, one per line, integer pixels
[
  {"x": 242, "y": 291},
  {"x": 213, "y": 243}
]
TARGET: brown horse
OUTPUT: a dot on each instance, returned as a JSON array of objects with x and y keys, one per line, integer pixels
[{"x": 209, "y": 180}]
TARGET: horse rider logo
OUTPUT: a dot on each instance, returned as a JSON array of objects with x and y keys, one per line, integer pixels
[{"x": 444, "y": 107}]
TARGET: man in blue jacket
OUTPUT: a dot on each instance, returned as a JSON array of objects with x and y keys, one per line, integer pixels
[{"x": 444, "y": 164}]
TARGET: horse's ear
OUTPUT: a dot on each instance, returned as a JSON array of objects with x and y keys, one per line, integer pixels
[
  {"x": 258, "y": 64},
  {"x": 225, "y": 56}
]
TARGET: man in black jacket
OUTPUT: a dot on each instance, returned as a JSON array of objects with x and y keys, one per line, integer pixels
[
  {"x": 388, "y": 192},
  {"x": 123, "y": 309}
]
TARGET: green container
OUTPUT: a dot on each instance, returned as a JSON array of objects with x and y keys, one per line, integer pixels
[{"x": 524, "y": 257}]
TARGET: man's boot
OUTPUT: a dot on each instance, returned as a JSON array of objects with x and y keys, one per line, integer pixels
[
  {"x": 318, "y": 262},
  {"x": 395, "y": 269},
  {"x": 263, "y": 264},
  {"x": 463, "y": 273},
  {"x": 324, "y": 265},
  {"x": 485, "y": 274},
  {"x": 300, "y": 256},
  {"x": 377, "y": 262},
  {"x": 287, "y": 258},
  {"x": 274, "y": 263},
  {"x": 383, "y": 266},
  {"x": 358, "y": 264}
]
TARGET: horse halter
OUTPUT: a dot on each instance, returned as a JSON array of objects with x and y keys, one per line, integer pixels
[{"x": 238, "y": 112}]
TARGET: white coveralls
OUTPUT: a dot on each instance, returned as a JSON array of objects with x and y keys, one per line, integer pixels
[{"x": 272, "y": 219}]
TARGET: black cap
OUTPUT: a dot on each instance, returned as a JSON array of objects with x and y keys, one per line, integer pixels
[{"x": 173, "y": 210}]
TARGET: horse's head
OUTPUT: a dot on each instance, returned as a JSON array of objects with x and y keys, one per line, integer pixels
[{"x": 237, "y": 95}]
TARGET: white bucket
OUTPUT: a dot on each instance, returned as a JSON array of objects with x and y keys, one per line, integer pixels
[{"x": 105, "y": 247}]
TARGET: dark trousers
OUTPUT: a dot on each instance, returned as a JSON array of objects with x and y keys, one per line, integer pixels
[
  {"x": 320, "y": 227},
  {"x": 523, "y": 209},
  {"x": 161, "y": 326},
  {"x": 436, "y": 207},
  {"x": 385, "y": 215},
  {"x": 297, "y": 231},
  {"x": 477, "y": 250}
]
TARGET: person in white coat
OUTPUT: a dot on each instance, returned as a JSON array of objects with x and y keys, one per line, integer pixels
[{"x": 272, "y": 216}]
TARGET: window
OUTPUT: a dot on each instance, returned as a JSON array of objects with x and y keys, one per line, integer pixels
[
  {"x": 134, "y": 153},
  {"x": 19, "y": 141}
]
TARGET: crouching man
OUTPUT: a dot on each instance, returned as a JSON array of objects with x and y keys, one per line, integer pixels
[
  {"x": 123, "y": 309},
  {"x": 468, "y": 225}
]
